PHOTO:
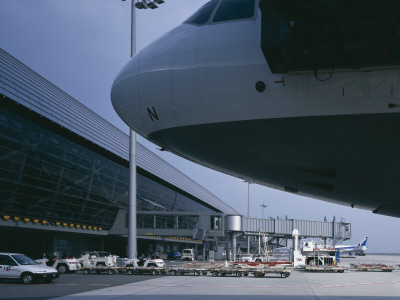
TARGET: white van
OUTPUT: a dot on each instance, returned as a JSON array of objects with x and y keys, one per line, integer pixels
[
  {"x": 19, "y": 266},
  {"x": 188, "y": 254}
]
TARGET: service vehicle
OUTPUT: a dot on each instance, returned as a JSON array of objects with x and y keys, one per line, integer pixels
[
  {"x": 244, "y": 258},
  {"x": 188, "y": 254},
  {"x": 144, "y": 265},
  {"x": 147, "y": 263},
  {"x": 318, "y": 254},
  {"x": 67, "y": 265},
  {"x": 18, "y": 266},
  {"x": 64, "y": 265},
  {"x": 91, "y": 259}
]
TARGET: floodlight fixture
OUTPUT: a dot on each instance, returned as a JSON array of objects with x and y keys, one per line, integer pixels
[
  {"x": 144, "y": 4},
  {"x": 140, "y": 5},
  {"x": 151, "y": 4}
]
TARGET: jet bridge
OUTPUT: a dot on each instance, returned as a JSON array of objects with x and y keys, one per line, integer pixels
[{"x": 279, "y": 231}]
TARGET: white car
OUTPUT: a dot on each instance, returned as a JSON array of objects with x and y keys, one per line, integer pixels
[{"x": 19, "y": 266}]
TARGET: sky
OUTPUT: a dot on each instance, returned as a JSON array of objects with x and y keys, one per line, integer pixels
[{"x": 81, "y": 45}]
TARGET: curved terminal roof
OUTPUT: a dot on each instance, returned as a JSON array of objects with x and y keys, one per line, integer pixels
[{"x": 25, "y": 86}]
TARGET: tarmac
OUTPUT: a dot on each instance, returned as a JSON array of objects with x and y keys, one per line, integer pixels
[{"x": 300, "y": 285}]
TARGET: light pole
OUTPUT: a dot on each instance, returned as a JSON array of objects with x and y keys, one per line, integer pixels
[
  {"x": 263, "y": 207},
  {"x": 248, "y": 212},
  {"x": 248, "y": 197},
  {"x": 132, "y": 230}
]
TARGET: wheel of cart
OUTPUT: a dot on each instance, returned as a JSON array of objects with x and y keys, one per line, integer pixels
[
  {"x": 131, "y": 272},
  {"x": 196, "y": 273},
  {"x": 172, "y": 272},
  {"x": 110, "y": 272},
  {"x": 215, "y": 273},
  {"x": 239, "y": 274},
  {"x": 204, "y": 273},
  {"x": 258, "y": 274},
  {"x": 86, "y": 271},
  {"x": 154, "y": 272},
  {"x": 284, "y": 275}
]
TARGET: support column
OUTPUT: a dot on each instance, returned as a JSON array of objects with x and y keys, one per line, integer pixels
[
  {"x": 234, "y": 244},
  {"x": 132, "y": 230}
]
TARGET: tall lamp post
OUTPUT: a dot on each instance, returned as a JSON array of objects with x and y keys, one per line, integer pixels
[
  {"x": 248, "y": 212},
  {"x": 132, "y": 230},
  {"x": 263, "y": 207},
  {"x": 248, "y": 197}
]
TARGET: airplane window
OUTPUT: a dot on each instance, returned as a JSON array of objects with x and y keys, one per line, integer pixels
[
  {"x": 234, "y": 10},
  {"x": 203, "y": 14}
]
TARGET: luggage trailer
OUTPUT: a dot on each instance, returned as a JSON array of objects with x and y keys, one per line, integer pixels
[{"x": 111, "y": 270}]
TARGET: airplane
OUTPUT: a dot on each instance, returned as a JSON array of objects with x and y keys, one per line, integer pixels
[
  {"x": 297, "y": 95},
  {"x": 358, "y": 249}
]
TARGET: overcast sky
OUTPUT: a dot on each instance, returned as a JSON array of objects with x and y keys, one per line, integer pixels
[{"x": 80, "y": 45}]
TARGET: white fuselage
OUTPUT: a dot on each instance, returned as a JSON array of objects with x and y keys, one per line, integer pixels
[
  {"x": 197, "y": 85},
  {"x": 207, "y": 74}
]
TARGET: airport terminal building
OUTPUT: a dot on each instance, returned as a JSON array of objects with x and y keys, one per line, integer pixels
[{"x": 64, "y": 179}]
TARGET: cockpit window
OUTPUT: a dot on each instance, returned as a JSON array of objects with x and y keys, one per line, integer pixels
[
  {"x": 203, "y": 14},
  {"x": 234, "y": 10}
]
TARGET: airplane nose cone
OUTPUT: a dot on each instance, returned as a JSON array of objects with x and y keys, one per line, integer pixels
[
  {"x": 125, "y": 93},
  {"x": 142, "y": 92}
]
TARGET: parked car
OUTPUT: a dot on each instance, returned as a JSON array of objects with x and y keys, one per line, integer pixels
[
  {"x": 19, "y": 266},
  {"x": 174, "y": 255}
]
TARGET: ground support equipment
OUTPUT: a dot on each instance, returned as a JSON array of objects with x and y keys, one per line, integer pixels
[
  {"x": 181, "y": 270},
  {"x": 324, "y": 268},
  {"x": 229, "y": 270},
  {"x": 145, "y": 270},
  {"x": 371, "y": 267},
  {"x": 261, "y": 272},
  {"x": 111, "y": 270}
]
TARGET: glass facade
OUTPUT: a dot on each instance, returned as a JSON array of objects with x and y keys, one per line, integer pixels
[
  {"x": 154, "y": 196},
  {"x": 44, "y": 173},
  {"x": 166, "y": 222}
]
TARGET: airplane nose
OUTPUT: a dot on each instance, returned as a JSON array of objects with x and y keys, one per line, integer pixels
[
  {"x": 142, "y": 92},
  {"x": 125, "y": 92}
]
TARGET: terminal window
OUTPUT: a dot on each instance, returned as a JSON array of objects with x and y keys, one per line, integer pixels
[{"x": 216, "y": 222}]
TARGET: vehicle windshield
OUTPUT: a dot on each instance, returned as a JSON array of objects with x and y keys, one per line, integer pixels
[{"x": 23, "y": 260}]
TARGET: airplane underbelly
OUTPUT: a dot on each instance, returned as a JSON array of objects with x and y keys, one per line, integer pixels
[{"x": 346, "y": 159}]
